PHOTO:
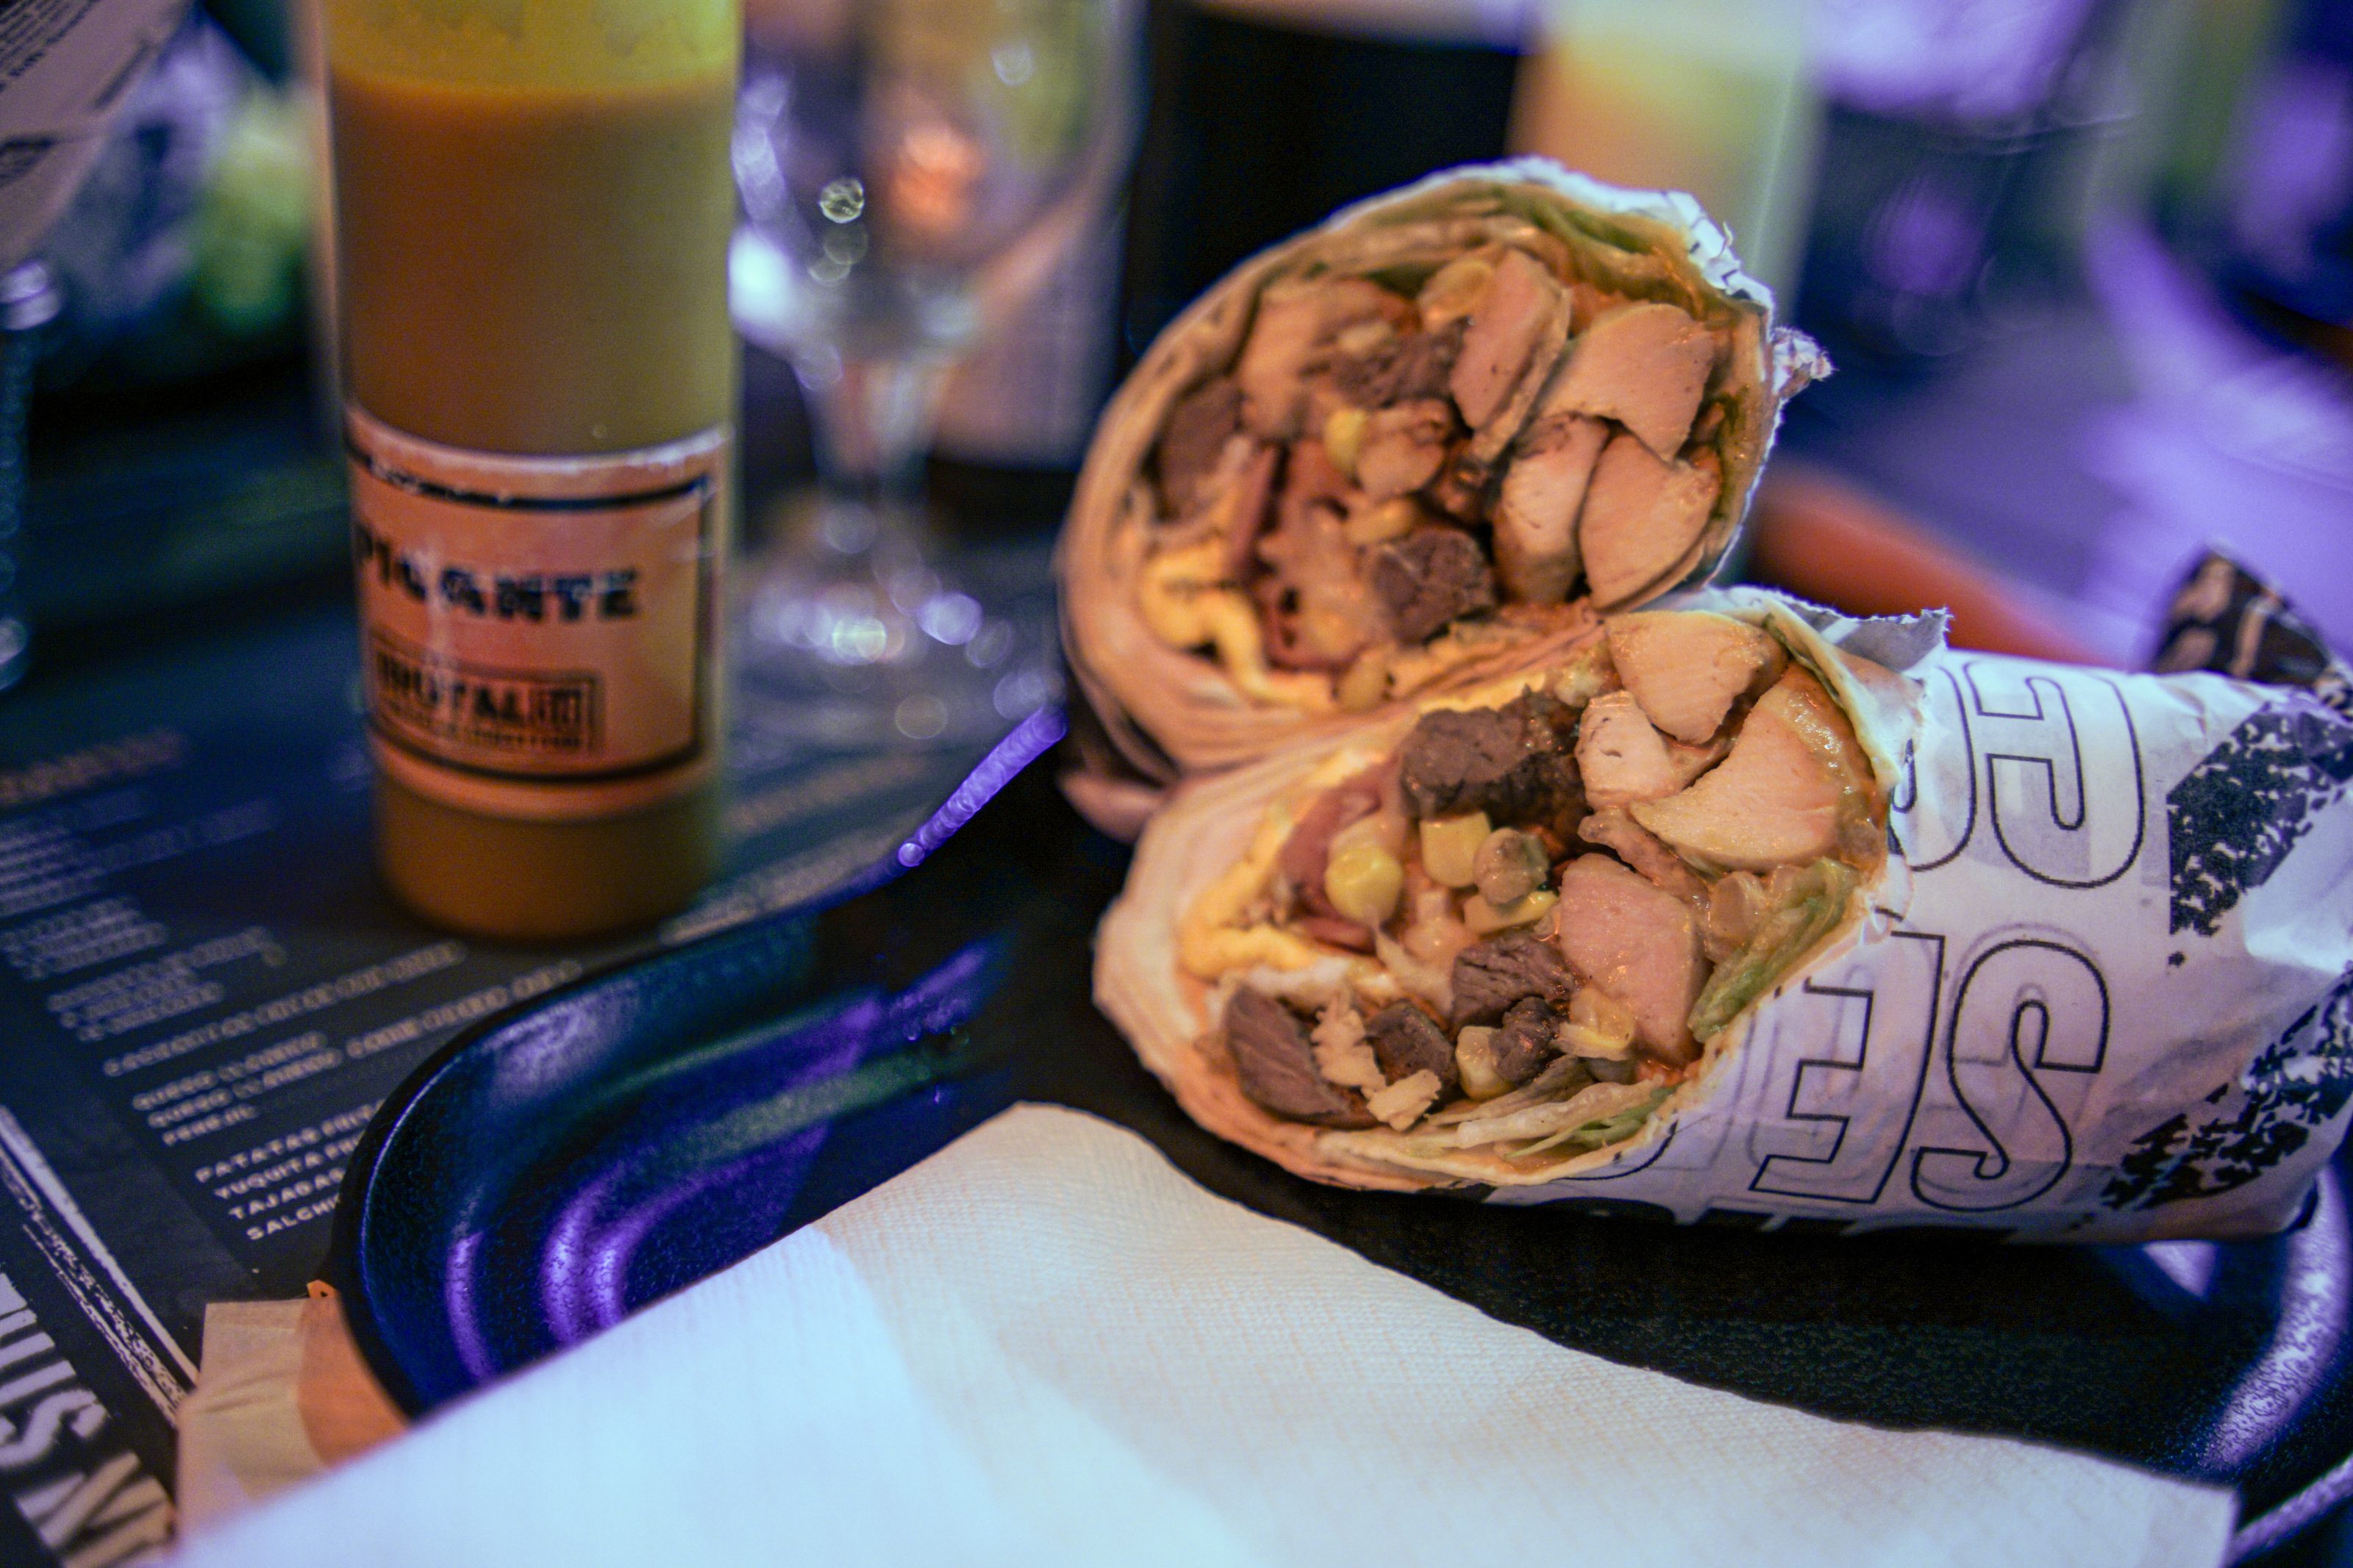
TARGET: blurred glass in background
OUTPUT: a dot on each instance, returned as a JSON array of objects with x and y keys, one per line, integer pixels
[{"x": 914, "y": 175}]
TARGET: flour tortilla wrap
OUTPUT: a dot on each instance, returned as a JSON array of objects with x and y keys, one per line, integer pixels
[
  {"x": 2100, "y": 990},
  {"x": 1174, "y": 710}
]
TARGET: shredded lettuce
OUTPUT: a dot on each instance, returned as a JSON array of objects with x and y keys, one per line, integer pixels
[
  {"x": 1601, "y": 1133},
  {"x": 1561, "y": 1073},
  {"x": 1594, "y": 1103},
  {"x": 1814, "y": 905}
]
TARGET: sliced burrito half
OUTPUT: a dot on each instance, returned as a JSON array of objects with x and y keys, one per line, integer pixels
[
  {"x": 1420, "y": 445},
  {"x": 1503, "y": 937}
]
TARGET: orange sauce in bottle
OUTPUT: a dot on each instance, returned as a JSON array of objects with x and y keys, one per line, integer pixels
[{"x": 533, "y": 209}]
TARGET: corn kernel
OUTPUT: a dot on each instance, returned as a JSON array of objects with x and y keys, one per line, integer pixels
[
  {"x": 1365, "y": 683},
  {"x": 1384, "y": 829},
  {"x": 1474, "y": 1058},
  {"x": 1364, "y": 883},
  {"x": 1510, "y": 865},
  {"x": 1599, "y": 1025},
  {"x": 1392, "y": 519},
  {"x": 1449, "y": 846},
  {"x": 1343, "y": 433},
  {"x": 1588, "y": 676},
  {"x": 1455, "y": 289},
  {"x": 1483, "y": 917}
]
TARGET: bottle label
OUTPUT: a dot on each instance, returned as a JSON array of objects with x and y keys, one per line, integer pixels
[{"x": 539, "y": 635}]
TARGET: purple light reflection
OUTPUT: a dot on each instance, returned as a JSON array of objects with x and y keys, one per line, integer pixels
[
  {"x": 1029, "y": 741},
  {"x": 458, "y": 1295},
  {"x": 2188, "y": 1264},
  {"x": 595, "y": 1236},
  {"x": 586, "y": 1287},
  {"x": 2302, "y": 1349},
  {"x": 585, "y": 1268}
]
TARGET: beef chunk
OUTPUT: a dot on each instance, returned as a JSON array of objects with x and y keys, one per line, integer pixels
[
  {"x": 1414, "y": 364},
  {"x": 1197, "y": 432},
  {"x": 1405, "y": 1042},
  {"x": 1277, "y": 1064},
  {"x": 1429, "y": 577},
  {"x": 1527, "y": 1039},
  {"x": 1515, "y": 762},
  {"x": 1491, "y": 976}
]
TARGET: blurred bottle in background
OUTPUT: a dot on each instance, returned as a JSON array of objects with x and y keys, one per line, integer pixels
[
  {"x": 1265, "y": 115},
  {"x": 1712, "y": 96},
  {"x": 2285, "y": 198},
  {"x": 1961, "y": 151}
]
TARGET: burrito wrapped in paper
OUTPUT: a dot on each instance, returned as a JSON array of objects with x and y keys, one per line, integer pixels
[
  {"x": 1742, "y": 908},
  {"x": 1410, "y": 450}
]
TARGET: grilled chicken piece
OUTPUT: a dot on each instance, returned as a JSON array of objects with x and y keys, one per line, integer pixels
[
  {"x": 1589, "y": 303},
  {"x": 1243, "y": 501},
  {"x": 1505, "y": 327},
  {"x": 1614, "y": 828},
  {"x": 1643, "y": 366},
  {"x": 1620, "y": 757},
  {"x": 1275, "y": 1060},
  {"x": 1689, "y": 760},
  {"x": 1402, "y": 447},
  {"x": 1794, "y": 781},
  {"x": 1642, "y": 517},
  {"x": 1320, "y": 610},
  {"x": 1536, "y": 515},
  {"x": 1294, "y": 324},
  {"x": 1686, "y": 667},
  {"x": 1640, "y": 945}
]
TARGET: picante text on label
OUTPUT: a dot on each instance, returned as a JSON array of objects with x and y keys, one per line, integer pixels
[{"x": 603, "y": 596}]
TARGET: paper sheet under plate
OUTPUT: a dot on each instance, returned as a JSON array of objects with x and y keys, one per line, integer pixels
[{"x": 1044, "y": 1345}]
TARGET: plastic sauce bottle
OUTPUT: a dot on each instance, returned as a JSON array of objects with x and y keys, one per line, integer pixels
[{"x": 532, "y": 207}]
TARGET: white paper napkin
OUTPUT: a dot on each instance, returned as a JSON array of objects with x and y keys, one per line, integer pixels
[{"x": 1044, "y": 1345}]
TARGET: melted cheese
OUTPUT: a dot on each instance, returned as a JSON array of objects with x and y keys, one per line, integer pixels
[
  {"x": 1184, "y": 598},
  {"x": 1218, "y": 934}
]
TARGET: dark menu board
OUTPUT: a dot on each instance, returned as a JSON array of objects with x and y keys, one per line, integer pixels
[{"x": 204, "y": 995}]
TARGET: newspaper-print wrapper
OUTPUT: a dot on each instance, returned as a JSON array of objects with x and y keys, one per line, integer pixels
[
  {"x": 2112, "y": 1003},
  {"x": 64, "y": 72},
  {"x": 2104, "y": 991}
]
